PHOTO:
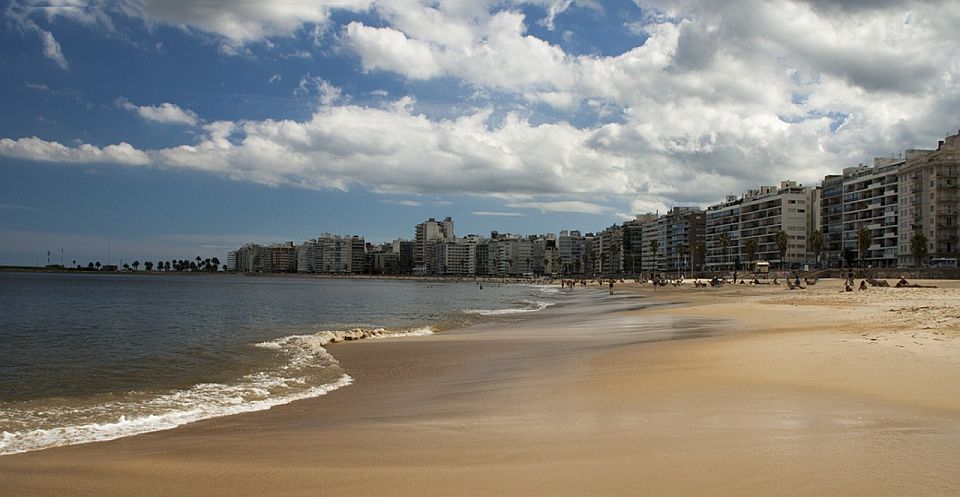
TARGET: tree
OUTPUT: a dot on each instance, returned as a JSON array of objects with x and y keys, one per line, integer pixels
[
  {"x": 89, "y": 265},
  {"x": 918, "y": 247},
  {"x": 216, "y": 264},
  {"x": 864, "y": 240},
  {"x": 702, "y": 254},
  {"x": 783, "y": 240},
  {"x": 148, "y": 265},
  {"x": 725, "y": 245},
  {"x": 751, "y": 246},
  {"x": 136, "y": 265},
  {"x": 816, "y": 243},
  {"x": 97, "y": 265},
  {"x": 655, "y": 247},
  {"x": 681, "y": 257}
]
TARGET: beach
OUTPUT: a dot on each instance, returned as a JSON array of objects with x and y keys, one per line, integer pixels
[{"x": 741, "y": 390}]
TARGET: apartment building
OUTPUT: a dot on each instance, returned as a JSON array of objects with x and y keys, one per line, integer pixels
[
  {"x": 928, "y": 184},
  {"x": 722, "y": 234},
  {"x": 831, "y": 221},
  {"x": 870, "y": 200}
]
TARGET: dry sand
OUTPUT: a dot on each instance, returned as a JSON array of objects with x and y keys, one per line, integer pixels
[{"x": 775, "y": 392}]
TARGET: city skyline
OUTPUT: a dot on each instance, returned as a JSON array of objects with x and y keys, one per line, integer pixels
[{"x": 177, "y": 130}]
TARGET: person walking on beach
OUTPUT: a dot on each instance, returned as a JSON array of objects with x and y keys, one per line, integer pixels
[{"x": 611, "y": 286}]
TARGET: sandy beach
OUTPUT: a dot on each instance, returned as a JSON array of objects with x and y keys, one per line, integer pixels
[{"x": 743, "y": 390}]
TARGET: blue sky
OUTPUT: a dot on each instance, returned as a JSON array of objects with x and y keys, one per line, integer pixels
[{"x": 176, "y": 129}]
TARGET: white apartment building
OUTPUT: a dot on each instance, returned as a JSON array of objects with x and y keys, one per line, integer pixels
[
  {"x": 929, "y": 202},
  {"x": 757, "y": 217},
  {"x": 870, "y": 200}
]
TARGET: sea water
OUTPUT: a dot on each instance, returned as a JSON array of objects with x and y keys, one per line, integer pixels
[{"x": 87, "y": 357}]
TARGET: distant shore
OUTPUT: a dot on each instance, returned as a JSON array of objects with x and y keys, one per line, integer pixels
[
  {"x": 745, "y": 390},
  {"x": 484, "y": 279}
]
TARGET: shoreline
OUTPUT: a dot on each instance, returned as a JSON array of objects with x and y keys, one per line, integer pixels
[{"x": 595, "y": 396}]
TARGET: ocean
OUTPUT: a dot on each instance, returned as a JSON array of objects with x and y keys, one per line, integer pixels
[{"x": 87, "y": 357}]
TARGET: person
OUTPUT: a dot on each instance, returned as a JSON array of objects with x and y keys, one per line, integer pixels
[
  {"x": 611, "y": 286},
  {"x": 863, "y": 285}
]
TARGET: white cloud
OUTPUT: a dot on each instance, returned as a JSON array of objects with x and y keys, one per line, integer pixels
[
  {"x": 165, "y": 113},
  {"x": 498, "y": 214},
  {"x": 51, "y": 49},
  {"x": 19, "y": 16},
  {"x": 719, "y": 97},
  {"x": 563, "y": 206},
  {"x": 48, "y": 151},
  {"x": 404, "y": 202},
  {"x": 391, "y": 50},
  {"x": 246, "y": 21}
]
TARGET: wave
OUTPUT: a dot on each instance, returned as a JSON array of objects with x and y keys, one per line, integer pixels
[
  {"x": 306, "y": 370},
  {"x": 531, "y": 306},
  {"x": 226, "y": 400}
]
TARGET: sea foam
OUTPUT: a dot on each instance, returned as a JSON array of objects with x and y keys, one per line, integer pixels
[
  {"x": 305, "y": 362},
  {"x": 531, "y": 306}
]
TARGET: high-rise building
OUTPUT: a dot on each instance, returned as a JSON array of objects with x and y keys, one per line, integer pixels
[
  {"x": 722, "y": 234},
  {"x": 428, "y": 233},
  {"x": 831, "y": 221},
  {"x": 870, "y": 200},
  {"x": 610, "y": 251},
  {"x": 929, "y": 202},
  {"x": 633, "y": 243},
  {"x": 754, "y": 223},
  {"x": 571, "y": 248}
]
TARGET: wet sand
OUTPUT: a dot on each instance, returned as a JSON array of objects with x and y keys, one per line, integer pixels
[{"x": 737, "y": 391}]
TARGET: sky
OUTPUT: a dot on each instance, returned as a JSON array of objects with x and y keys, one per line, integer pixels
[{"x": 168, "y": 129}]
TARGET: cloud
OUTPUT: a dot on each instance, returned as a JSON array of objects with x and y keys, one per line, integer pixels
[
  {"x": 48, "y": 151},
  {"x": 245, "y": 22},
  {"x": 405, "y": 203},
  {"x": 563, "y": 206},
  {"x": 498, "y": 214},
  {"x": 19, "y": 16},
  {"x": 165, "y": 113},
  {"x": 51, "y": 49},
  {"x": 715, "y": 98},
  {"x": 327, "y": 94}
]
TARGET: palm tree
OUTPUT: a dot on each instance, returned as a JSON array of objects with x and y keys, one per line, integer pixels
[
  {"x": 864, "y": 239},
  {"x": 136, "y": 265},
  {"x": 97, "y": 264},
  {"x": 918, "y": 247},
  {"x": 216, "y": 264},
  {"x": 783, "y": 240},
  {"x": 816, "y": 243},
  {"x": 702, "y": 254},
  {"x": 681, "y": 257},
  {"x": 725, "y": 245},
  {"x": 655, "y": 247},
  {"x": 148, "y": 265},
  {"x": 751, "y": 246}
]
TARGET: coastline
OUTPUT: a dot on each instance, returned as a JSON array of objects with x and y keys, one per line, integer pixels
[{"x": 808, "y": 392}]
